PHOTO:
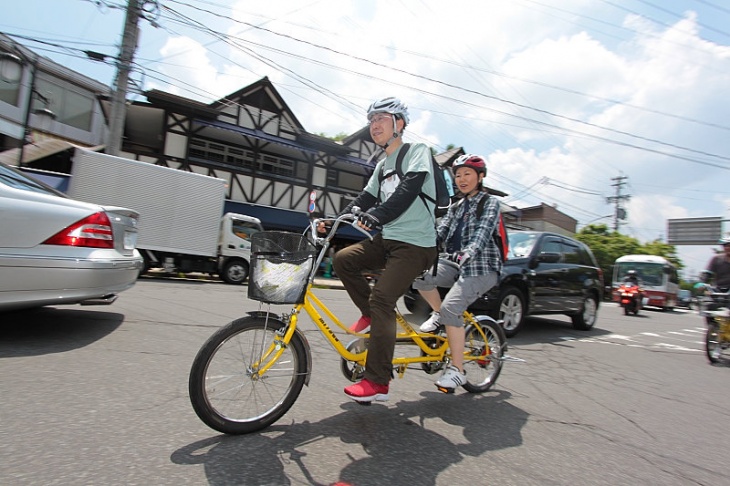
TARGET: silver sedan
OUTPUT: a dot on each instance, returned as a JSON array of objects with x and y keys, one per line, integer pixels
[{"x": 55, "y": 250}]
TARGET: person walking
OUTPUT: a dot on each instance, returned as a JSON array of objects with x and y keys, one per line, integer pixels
[
  {"x": 471, "y": 267},
  {"x": 404, "y": 248}
]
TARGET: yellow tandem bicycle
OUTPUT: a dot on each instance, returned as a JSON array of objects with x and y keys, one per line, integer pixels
[{"x": 249, "y": 373}]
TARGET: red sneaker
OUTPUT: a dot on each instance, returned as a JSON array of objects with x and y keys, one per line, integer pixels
[
  {"x": 361, "y": 324},
  {"x": 367, "y": 391}
]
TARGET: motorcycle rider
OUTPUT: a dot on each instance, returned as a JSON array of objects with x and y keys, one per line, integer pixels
[{"x": 633, "y": 278}]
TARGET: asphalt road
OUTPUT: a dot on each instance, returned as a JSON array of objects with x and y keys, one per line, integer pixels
[{"x": 98, "y": 395}]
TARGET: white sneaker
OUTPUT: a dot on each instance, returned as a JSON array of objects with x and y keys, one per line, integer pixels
[
  {"x": 451, "y": 378},
  {"x": 431, "y": 324}
]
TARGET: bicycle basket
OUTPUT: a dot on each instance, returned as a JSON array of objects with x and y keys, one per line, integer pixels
[{"x": 280, "y": 266}]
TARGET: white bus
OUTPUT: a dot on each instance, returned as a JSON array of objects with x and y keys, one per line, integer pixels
[{"x": 658, "y": 277}]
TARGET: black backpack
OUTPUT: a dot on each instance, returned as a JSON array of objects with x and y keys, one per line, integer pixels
[
  {"x": 500, "y": 236},
  {"x": 441, "y": 176}
]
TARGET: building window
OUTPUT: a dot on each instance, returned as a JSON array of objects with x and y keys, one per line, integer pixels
[
  {"x": 71, "y": 105},
  {"x": 342, "y": 179},
  {"x": 237, "y": 157},
  {"x": 9, "y": 91}
]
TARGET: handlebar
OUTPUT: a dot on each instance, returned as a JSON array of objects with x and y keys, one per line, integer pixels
[
  {"x": 349, "y": 218},
  {"x": 713, "y": 299}
]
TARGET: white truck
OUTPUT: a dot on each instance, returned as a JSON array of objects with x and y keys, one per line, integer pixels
[{"x": 180, "y": 225}]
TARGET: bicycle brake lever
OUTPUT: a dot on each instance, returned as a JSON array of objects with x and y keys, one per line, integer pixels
[{"x": 361, "y": 230}]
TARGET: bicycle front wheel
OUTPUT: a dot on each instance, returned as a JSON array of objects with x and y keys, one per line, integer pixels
[
  {"x": 483, "y": 359},
  {"x": 226, "y": 389},
  {"x": 713, "y": 344}
]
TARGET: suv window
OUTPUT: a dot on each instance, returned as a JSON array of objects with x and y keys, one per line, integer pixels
[
  {"x": 585, "y": 257},
  {"x": 551, "y": 245},
  {"x": 571, "y": 253},
  {"x": 521, "y": 243}
]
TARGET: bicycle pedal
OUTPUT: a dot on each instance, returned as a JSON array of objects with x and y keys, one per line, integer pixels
[{"x": 443, "y": 389}]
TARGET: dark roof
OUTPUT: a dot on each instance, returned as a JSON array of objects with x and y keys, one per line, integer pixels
[
  {"x": 179, "y": 104},
  {"x": 447, "y": 158},
  {"x": 261, "y": 94}
]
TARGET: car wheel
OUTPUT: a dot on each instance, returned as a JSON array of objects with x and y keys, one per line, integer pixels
[
  {"x": 146, "y": 265},
  {"x": 235, "y": 272},
  {"x": 586, "y": 318},
  {"x": 511, "y": 310}
]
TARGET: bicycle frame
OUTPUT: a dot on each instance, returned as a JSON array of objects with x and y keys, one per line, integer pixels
[
  {"x": 314, "y": 308},
  {"x": 433, "y": 347}
]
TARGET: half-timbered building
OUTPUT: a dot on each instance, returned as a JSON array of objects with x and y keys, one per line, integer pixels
[{"x": 252, "y": 140}]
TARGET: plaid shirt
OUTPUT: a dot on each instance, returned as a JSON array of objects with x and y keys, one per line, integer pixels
[{"x": 476, "y": 234}]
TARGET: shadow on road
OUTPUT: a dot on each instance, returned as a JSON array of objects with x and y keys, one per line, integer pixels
[
  {"x": 50, "y": 330},
  {"x": 398, "y": 444}
]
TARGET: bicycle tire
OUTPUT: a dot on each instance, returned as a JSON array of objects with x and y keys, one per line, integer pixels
[
  {"x": 712, "y": 343},
  {"x": 483, "y": 365},
  {"x": 224, "y": 391}
]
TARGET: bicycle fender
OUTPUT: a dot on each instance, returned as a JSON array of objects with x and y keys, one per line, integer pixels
[
  {"x": 482, "y": 318},
  {"x": 276, "y": 318}
]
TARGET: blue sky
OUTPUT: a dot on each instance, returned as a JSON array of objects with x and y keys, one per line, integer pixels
[{"x": 560, "y": 96}]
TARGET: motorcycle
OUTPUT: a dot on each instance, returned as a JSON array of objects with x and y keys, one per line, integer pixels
[
  {"x": 629, "y": 296},
  {"x": 715, "y": 308}
]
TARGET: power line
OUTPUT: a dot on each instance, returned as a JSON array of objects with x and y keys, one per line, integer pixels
[{"x": 321, "y": 89}]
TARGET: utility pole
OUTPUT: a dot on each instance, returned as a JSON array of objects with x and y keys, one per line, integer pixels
[
  {"x": 124, "y": 65},
  {"x": 619, "y": 213}
]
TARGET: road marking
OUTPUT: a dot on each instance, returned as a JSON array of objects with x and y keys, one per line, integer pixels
[
  {"x": 636, "y": 340},
  {"x": 675, "y": 347}
]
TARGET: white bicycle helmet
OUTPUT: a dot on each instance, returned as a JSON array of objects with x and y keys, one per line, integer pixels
[
  {"x": 725, "y": 241},
  {"x": 390, "y": 105}
]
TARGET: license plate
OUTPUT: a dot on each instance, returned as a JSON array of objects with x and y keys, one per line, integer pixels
[{"x": 130, "y": 240}]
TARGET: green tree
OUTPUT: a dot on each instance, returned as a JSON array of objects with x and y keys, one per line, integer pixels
[
  {"x": 337, "y": 138},
  {"x": 607, "y": 246}
]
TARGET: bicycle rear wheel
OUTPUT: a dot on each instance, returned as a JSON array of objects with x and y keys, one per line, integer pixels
[
  {"x": 483, "y": 360},
  {"x": 225, "y": 388}
]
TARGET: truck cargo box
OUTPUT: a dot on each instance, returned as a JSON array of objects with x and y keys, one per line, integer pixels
[{"x": 180, "y": 212}]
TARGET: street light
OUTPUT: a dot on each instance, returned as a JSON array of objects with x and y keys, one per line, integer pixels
[{"x": 11, "y": 70}]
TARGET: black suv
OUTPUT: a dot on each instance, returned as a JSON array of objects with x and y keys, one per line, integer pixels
[{"x": 545, "y": 273}]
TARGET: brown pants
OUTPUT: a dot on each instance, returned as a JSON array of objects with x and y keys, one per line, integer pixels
[{"x": 401, "y": 264}]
